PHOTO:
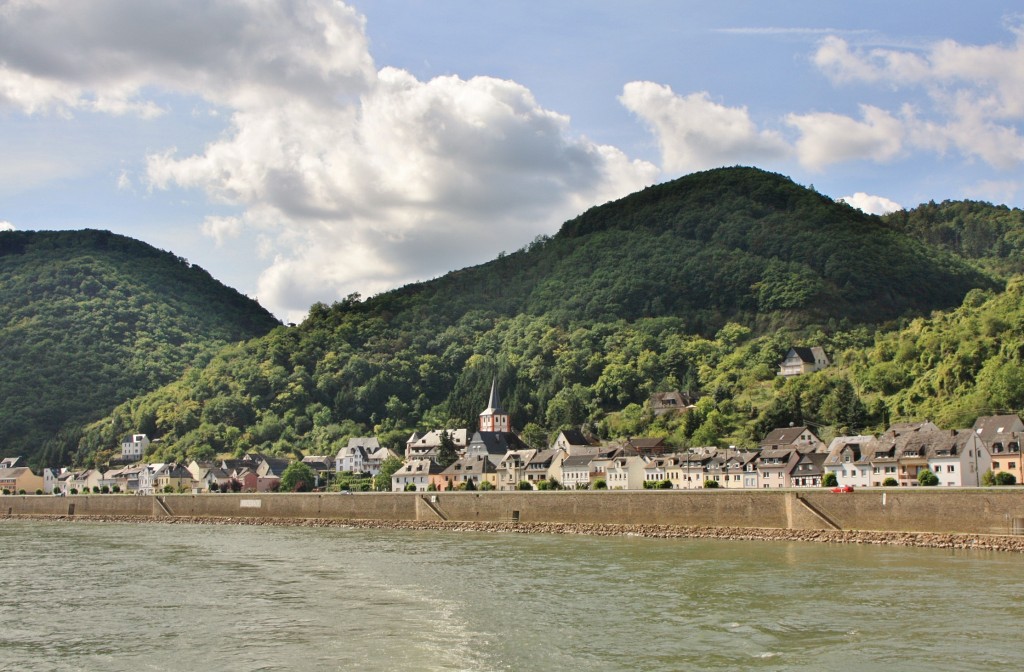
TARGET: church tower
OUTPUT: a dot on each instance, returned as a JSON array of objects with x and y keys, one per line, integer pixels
[{"x": 494, "y": 418}]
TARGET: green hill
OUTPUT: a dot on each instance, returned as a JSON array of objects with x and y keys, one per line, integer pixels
[
  {"x": 682, "y": 285},
  {"x": 734, "y": 244},
  {"x": 89, "y": 319}
]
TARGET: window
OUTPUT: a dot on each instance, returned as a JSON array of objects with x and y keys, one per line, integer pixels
[
  {"x": 1012, "y": 465},
  {"x": 951, "y": 468}
]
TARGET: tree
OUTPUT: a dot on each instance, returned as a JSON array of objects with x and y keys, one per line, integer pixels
[
  {"x": 535, "y": 435},
  {"x": 600, "y": 484},
  {"x": 927, "y": 478},
  {"x": 382, "y": 481},
  {"x": 890, "y": 482},
  {"x": 446, "y": 454},
  {"x": 524, "y": 485},
  {"x": 297, "y": 477},
  {"x": 829, "y": 480},
  {"x": 711, "y": 483}
]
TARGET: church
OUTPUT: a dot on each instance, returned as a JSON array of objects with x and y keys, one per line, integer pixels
[{"x": 495, "y": 437}]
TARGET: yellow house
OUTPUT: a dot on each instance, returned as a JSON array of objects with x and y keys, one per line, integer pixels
[{"x": 16, "y": 479}]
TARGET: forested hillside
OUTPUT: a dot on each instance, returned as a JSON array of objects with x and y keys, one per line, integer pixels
[
  {"x": 89, "y": 319},
  {"x": 734, "y": 244},
  {"x": 700, "y": 284}
]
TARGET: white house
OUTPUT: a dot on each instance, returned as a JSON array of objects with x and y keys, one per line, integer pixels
[
  {"x": 426, "y": 445},
  {"x": 803, "y": 360},
  {"x": 133, "y": 447},
  {"x": 848, "y": 459},
  {"x": 355, "y": 457},
  {"x": 416, "y": 472},
  {"x": 576, "y": 471},
  {"x": 625, "y": 472},
  {"x": 959, "y": 459}
]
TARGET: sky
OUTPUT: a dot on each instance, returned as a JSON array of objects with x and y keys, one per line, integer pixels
[{"x": 304, "y": 150}]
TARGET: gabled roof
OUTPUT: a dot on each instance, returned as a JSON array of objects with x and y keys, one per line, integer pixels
[
  {"x": 494, "y": 443},
  {"x": 901, "y": 428},
  {"x": 857, "y": 444},
  {"x": 419, "y": 468},
  {"x": 777, "y": 454},
  {"x": 646, "y": 444},
  {"x": 1008, "y": 442},
  {"x": 784, "y": 436},
  {"x": 577, "y": 461},
  {"x": 805, "y": 354},
  {"x": 574, "y": 437},
  {"x": 432, "y": 439},
  {"x": 543, "y": 458},
  {"x": 319, "y": 462},
  {"x": 808, "y": 464},
  {"x": 472, "y": 464},
  {"x": 522, "y": 456},
  {"x": 369, "y": 444},
  {"x": 988, "y": 426}
]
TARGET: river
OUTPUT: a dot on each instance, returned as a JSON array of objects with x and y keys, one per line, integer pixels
[{"x": 107, "y": 596}]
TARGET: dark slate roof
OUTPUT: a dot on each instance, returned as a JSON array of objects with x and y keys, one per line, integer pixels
[
  {"x": 576, "y": 461},
  {"x": 475, "y": 464},
  {"x": 988, "y": 426},
  {"x": 494, "y": 443},
  {"x": 575, "y": 437},
  {"x": 783, "y": 436},
  {"x": 805, "y": 354}
]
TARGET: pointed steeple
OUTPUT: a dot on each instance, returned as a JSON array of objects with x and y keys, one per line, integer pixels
[
  {"x": 494, "y": 403},
  {"x": 494, "y": 418}
]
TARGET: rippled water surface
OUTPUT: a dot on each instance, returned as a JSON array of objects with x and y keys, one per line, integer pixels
[{"x": 96, "y": 596}]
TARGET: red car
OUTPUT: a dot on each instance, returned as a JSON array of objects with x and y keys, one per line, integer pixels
[{"x": 843, "y": 488}]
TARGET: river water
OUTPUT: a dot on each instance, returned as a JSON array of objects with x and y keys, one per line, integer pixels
[{"x": 107, "y": 596}]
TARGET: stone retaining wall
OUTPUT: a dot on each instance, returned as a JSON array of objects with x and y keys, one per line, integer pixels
[{"x": 931, "y": 510}]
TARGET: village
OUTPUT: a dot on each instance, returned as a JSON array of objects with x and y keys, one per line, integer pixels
[{"x": 495, "y": 458}]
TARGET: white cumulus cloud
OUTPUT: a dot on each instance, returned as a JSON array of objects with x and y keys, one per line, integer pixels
[
  {"x": 871, "y": 204},
  {"x": 827, "y": 138},
  {"x": 6, "y": 226},
  {"x": 696, "y": 133},
  {"x": 975, "y": 93},
  {"x": 353, "y": 177}
]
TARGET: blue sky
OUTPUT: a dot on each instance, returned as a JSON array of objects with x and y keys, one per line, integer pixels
[{"x": 303, "y": 150}]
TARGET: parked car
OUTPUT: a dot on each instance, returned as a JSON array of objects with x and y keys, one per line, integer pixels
[{"x": 843, "y": 488}]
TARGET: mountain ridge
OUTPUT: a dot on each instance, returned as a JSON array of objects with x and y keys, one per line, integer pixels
[{"x": 89, "y": 318}]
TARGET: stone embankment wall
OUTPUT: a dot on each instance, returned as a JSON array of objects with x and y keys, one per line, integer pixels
[{"x": 981, "y": 511}]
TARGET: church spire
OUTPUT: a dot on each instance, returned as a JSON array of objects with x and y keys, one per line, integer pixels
[{"x": 494, "y": 418}]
